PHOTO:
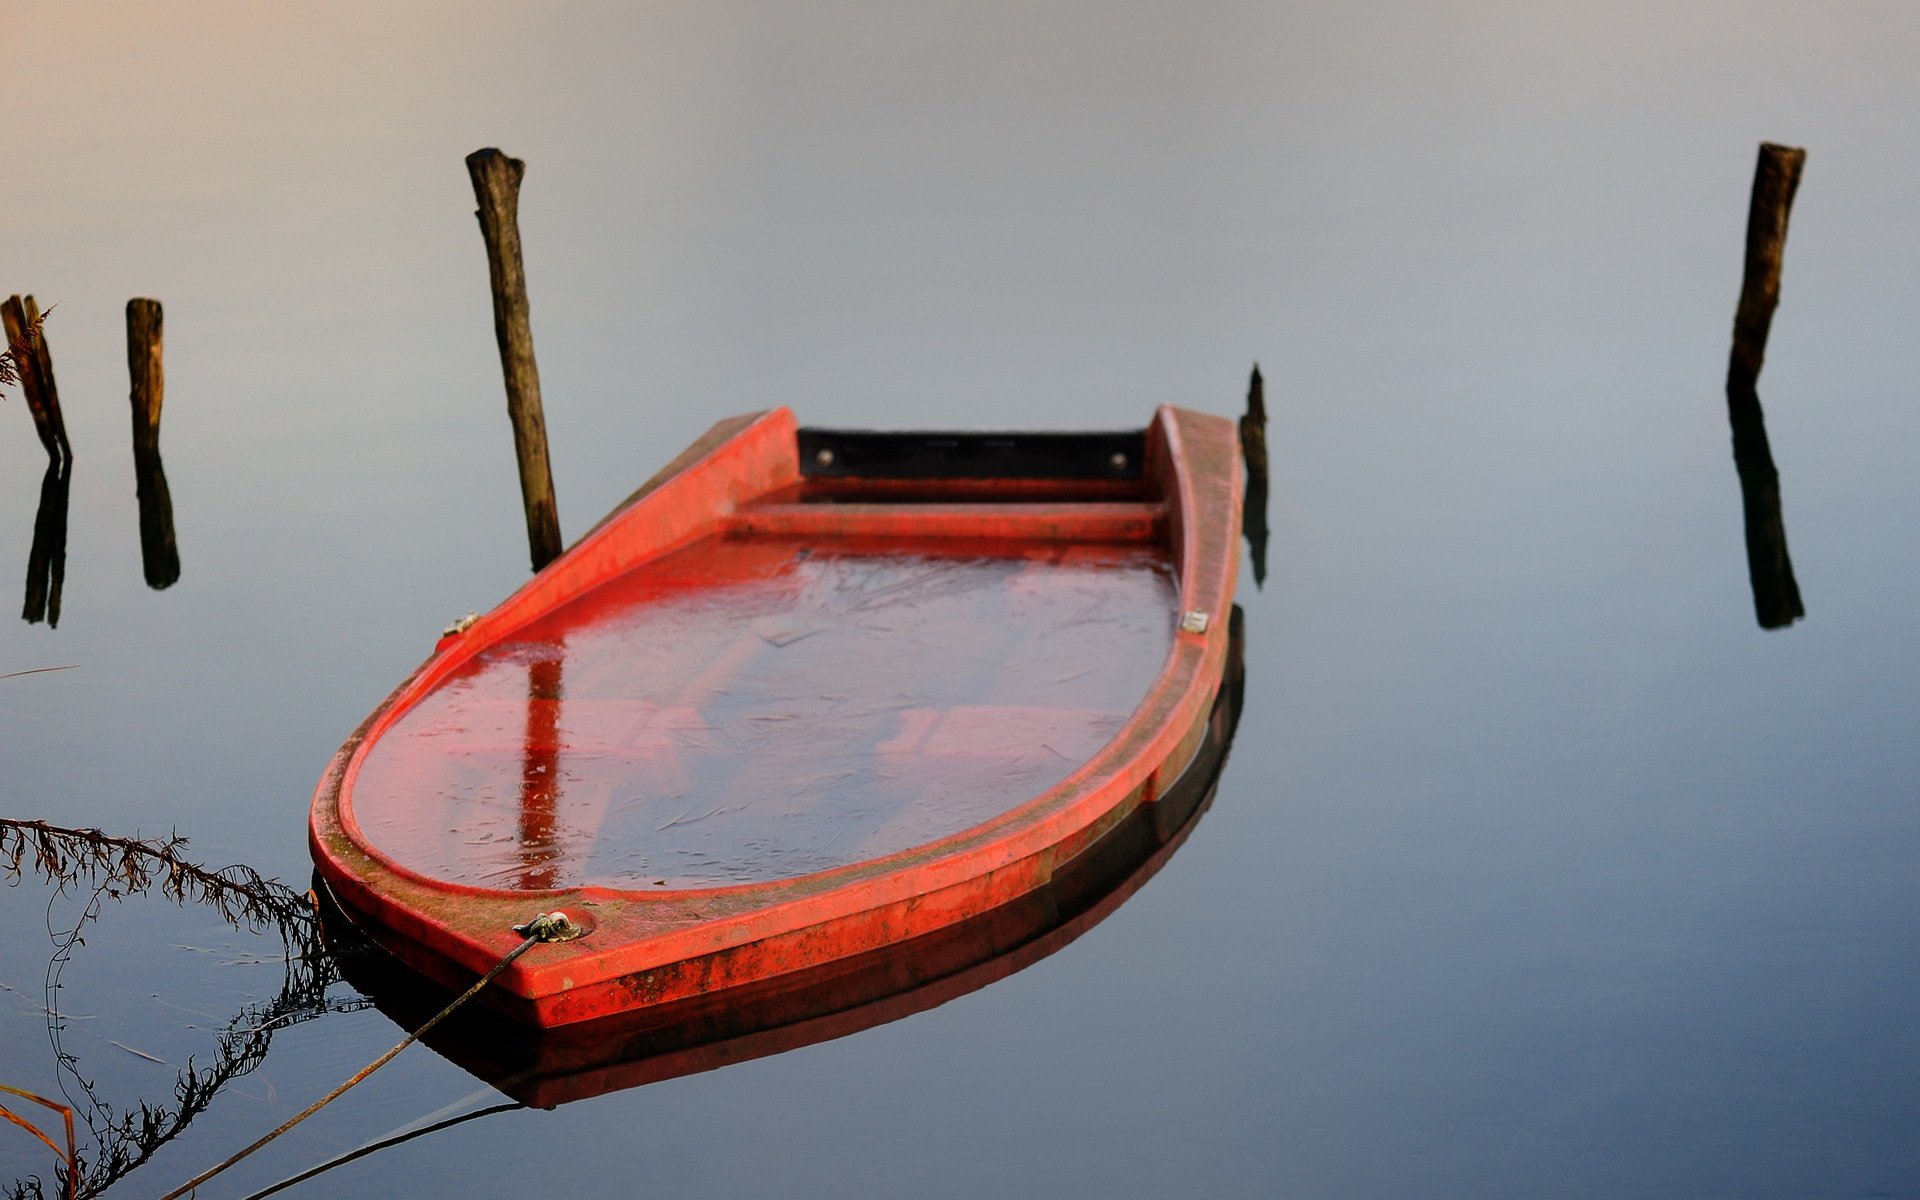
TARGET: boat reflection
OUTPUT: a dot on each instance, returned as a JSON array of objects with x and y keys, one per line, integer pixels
[{"x": 550, "y": 1067}]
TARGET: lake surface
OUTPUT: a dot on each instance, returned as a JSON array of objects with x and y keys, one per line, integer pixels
[{"x": 1537, "y": 868}]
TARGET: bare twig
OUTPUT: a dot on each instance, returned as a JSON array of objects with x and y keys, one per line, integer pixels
[
  {"x": 68, "y": 856},
  {"x": 18, "y": 355}
]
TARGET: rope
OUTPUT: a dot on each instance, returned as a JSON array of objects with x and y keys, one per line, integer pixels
[
  {"x": 547, "y": 927},
  {"x": 383, "y": 1144}
]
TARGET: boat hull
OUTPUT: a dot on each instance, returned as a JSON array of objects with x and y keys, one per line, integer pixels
[
  {"x": 760, "y": 481},
  {"x": 824, "y": 1002}
]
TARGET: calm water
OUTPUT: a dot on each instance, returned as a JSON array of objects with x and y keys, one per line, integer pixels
[
  {"x": 752, "y": 710},
  {"x": 1537, "y": 868}
]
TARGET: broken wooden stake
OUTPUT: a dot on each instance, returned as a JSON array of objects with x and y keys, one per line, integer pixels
[
  {"x": 1776, "y": 594},
  {"x": 496, "y": 187},
  {"x": 27, "y": 340}
]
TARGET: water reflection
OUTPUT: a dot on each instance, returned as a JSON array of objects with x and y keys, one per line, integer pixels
[
  {"x": 544, "y": 1068},
  {"x": 121, "y": 1135},
  {"x": 1776, "y": 594},
  {"x": 30, "y": 360},
  {"x": 30, "y": 363},
  {"x": 540, "y": 773},
  {"x": 1253, "y": 449},
  {"x": 47, "y": 560},
  {"x": 159, "y": 554}
]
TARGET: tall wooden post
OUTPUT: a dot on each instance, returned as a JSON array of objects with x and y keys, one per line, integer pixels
[
  {"x": 496, "y": 186},
  {"x": 1776, "y": 594},
  {"x": 146, "y": 374}
]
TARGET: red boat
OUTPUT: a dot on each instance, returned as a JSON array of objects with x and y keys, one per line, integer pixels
[
  {"x": 702, "y": 1033},
  {"x": 806, "y": 695}
]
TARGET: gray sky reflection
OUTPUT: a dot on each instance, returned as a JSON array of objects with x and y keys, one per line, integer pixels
[{"x": 1537, "y": 868}]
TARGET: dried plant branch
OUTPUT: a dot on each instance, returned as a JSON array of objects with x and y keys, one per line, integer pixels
[
  {"x": 132, "y": 865},
  {"x": 21, "y": 349},
  {"x": 127, "y": 1139}
]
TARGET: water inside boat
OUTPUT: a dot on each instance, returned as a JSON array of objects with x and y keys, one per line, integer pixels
[{"x": 749, "y": 709}]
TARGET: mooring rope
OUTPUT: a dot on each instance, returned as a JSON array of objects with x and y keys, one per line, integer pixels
[
  {"x": 547, "y": 927},
  {"x": 382, "y": 1144}
]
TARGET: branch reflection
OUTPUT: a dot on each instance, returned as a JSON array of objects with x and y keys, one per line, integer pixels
[{"x": 121, "y": 1136}]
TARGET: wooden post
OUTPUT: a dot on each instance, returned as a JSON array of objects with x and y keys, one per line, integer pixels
[
  {"x": 1253, "y": 449},
  {"x": 159, "y": 554},
  {"x": 1776, "y": 177},
  {"x": 496, "y": 186},
  {"x": 28, "y": 341},
  {"x": 146, "y": 368},
  {"x": 1776, "y": 594}
]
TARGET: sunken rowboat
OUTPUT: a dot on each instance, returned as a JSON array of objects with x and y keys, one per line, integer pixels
[
  {"x": 806, "y": 694},
  {"x": 544, "y": 1068}
]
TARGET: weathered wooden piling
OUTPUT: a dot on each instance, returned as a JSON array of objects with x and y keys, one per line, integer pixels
[
  {"x": 146, "y": 367},
  {"x": 1776, "y": 594},
  {"x": 1253, "y": 451},
  {"x": 496, "y": 187},
  {"x": 27, "y": 341},
  {"x": 146, "y": 373}
]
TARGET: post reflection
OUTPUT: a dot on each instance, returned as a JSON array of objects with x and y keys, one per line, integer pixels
[
  {"x": 540, "y": 772},
  {"x": 47, "y": 560},
  {"x": 159, "y": 554},
  {"x": 1776, "y": 594},
  {"x": 1253, "y": 451}
]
